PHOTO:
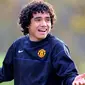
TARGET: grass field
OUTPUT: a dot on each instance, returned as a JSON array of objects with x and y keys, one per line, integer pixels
[{"x": 1, "y": 60}]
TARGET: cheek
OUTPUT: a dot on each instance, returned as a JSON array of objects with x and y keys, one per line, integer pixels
[
  {"x": 49, "y": 29},
  {"x": 49, "y": 25},
  {"x": 33, "y": 26}
]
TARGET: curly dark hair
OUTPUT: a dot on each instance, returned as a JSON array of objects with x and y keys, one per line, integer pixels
[{"x": 33, "y": 7}]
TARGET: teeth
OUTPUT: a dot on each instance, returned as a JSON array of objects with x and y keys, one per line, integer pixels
[{"x": 41, "y": 30}]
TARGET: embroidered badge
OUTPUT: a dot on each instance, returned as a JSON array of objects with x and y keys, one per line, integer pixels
[{"x": 41, "y": 53}]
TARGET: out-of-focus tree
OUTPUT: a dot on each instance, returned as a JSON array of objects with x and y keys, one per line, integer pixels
[{"x": 78, "y": 24}]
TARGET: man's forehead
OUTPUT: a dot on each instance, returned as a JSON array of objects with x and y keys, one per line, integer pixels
[{"x": 40, "y": 14}]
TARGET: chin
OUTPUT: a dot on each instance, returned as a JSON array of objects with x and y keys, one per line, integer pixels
[
  {"x": 43, "y": 36},
  {"x": 40, "y": 38}
]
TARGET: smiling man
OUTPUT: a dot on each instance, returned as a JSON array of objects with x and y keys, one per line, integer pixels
[
  {"x": 38, "y": 57},
  {"x": 40, "y": 26}
]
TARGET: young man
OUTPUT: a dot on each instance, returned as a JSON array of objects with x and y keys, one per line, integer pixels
[{"x": 38, "y": 58}]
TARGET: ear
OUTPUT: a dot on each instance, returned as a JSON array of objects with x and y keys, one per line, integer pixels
[
  {"x": 28, "y": 27},
  {"x": 22, "y": 30}
]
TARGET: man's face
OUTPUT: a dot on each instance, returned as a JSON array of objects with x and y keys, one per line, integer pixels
[{"x": 40, "y": 26}]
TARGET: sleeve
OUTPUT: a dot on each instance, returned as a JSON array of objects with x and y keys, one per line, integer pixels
[
  {"x": 63, "y": 64},
  {"x": 6, "y": 72}
]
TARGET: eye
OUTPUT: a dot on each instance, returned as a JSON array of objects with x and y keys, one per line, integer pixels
[
  {"x": 48, "y": 19},
  {"x": 37, "y": 19}
]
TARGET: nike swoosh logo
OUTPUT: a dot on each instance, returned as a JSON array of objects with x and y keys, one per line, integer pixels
[{"x": 20, "y": 51}]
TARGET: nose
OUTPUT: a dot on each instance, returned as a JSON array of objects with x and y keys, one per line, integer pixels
[{"x": 43, "y": 23}]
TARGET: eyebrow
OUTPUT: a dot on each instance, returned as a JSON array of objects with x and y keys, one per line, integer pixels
[{"x": 39, "y": 17}]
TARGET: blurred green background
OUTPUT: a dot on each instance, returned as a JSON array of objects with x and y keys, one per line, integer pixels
[{"x": 70, "y": 27}]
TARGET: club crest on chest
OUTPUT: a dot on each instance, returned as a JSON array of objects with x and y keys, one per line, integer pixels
[{"x": 41, "y": 53}]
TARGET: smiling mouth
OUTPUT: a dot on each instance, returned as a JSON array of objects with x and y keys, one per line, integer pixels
[{"x": 42, "y": 30}]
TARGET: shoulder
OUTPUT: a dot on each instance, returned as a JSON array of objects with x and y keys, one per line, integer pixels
[
  {"x": 59, "y": 47},
  {"x": 58, "y": 44},
  {"x": 56, "y": 41},
  {"x": 20, "y": 40}
]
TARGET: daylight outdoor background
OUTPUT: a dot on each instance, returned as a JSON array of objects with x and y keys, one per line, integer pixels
[{"x": 70, "y": 27}]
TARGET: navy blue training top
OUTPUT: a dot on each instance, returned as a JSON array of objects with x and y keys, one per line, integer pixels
[{"x": 46, "y": 62}]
